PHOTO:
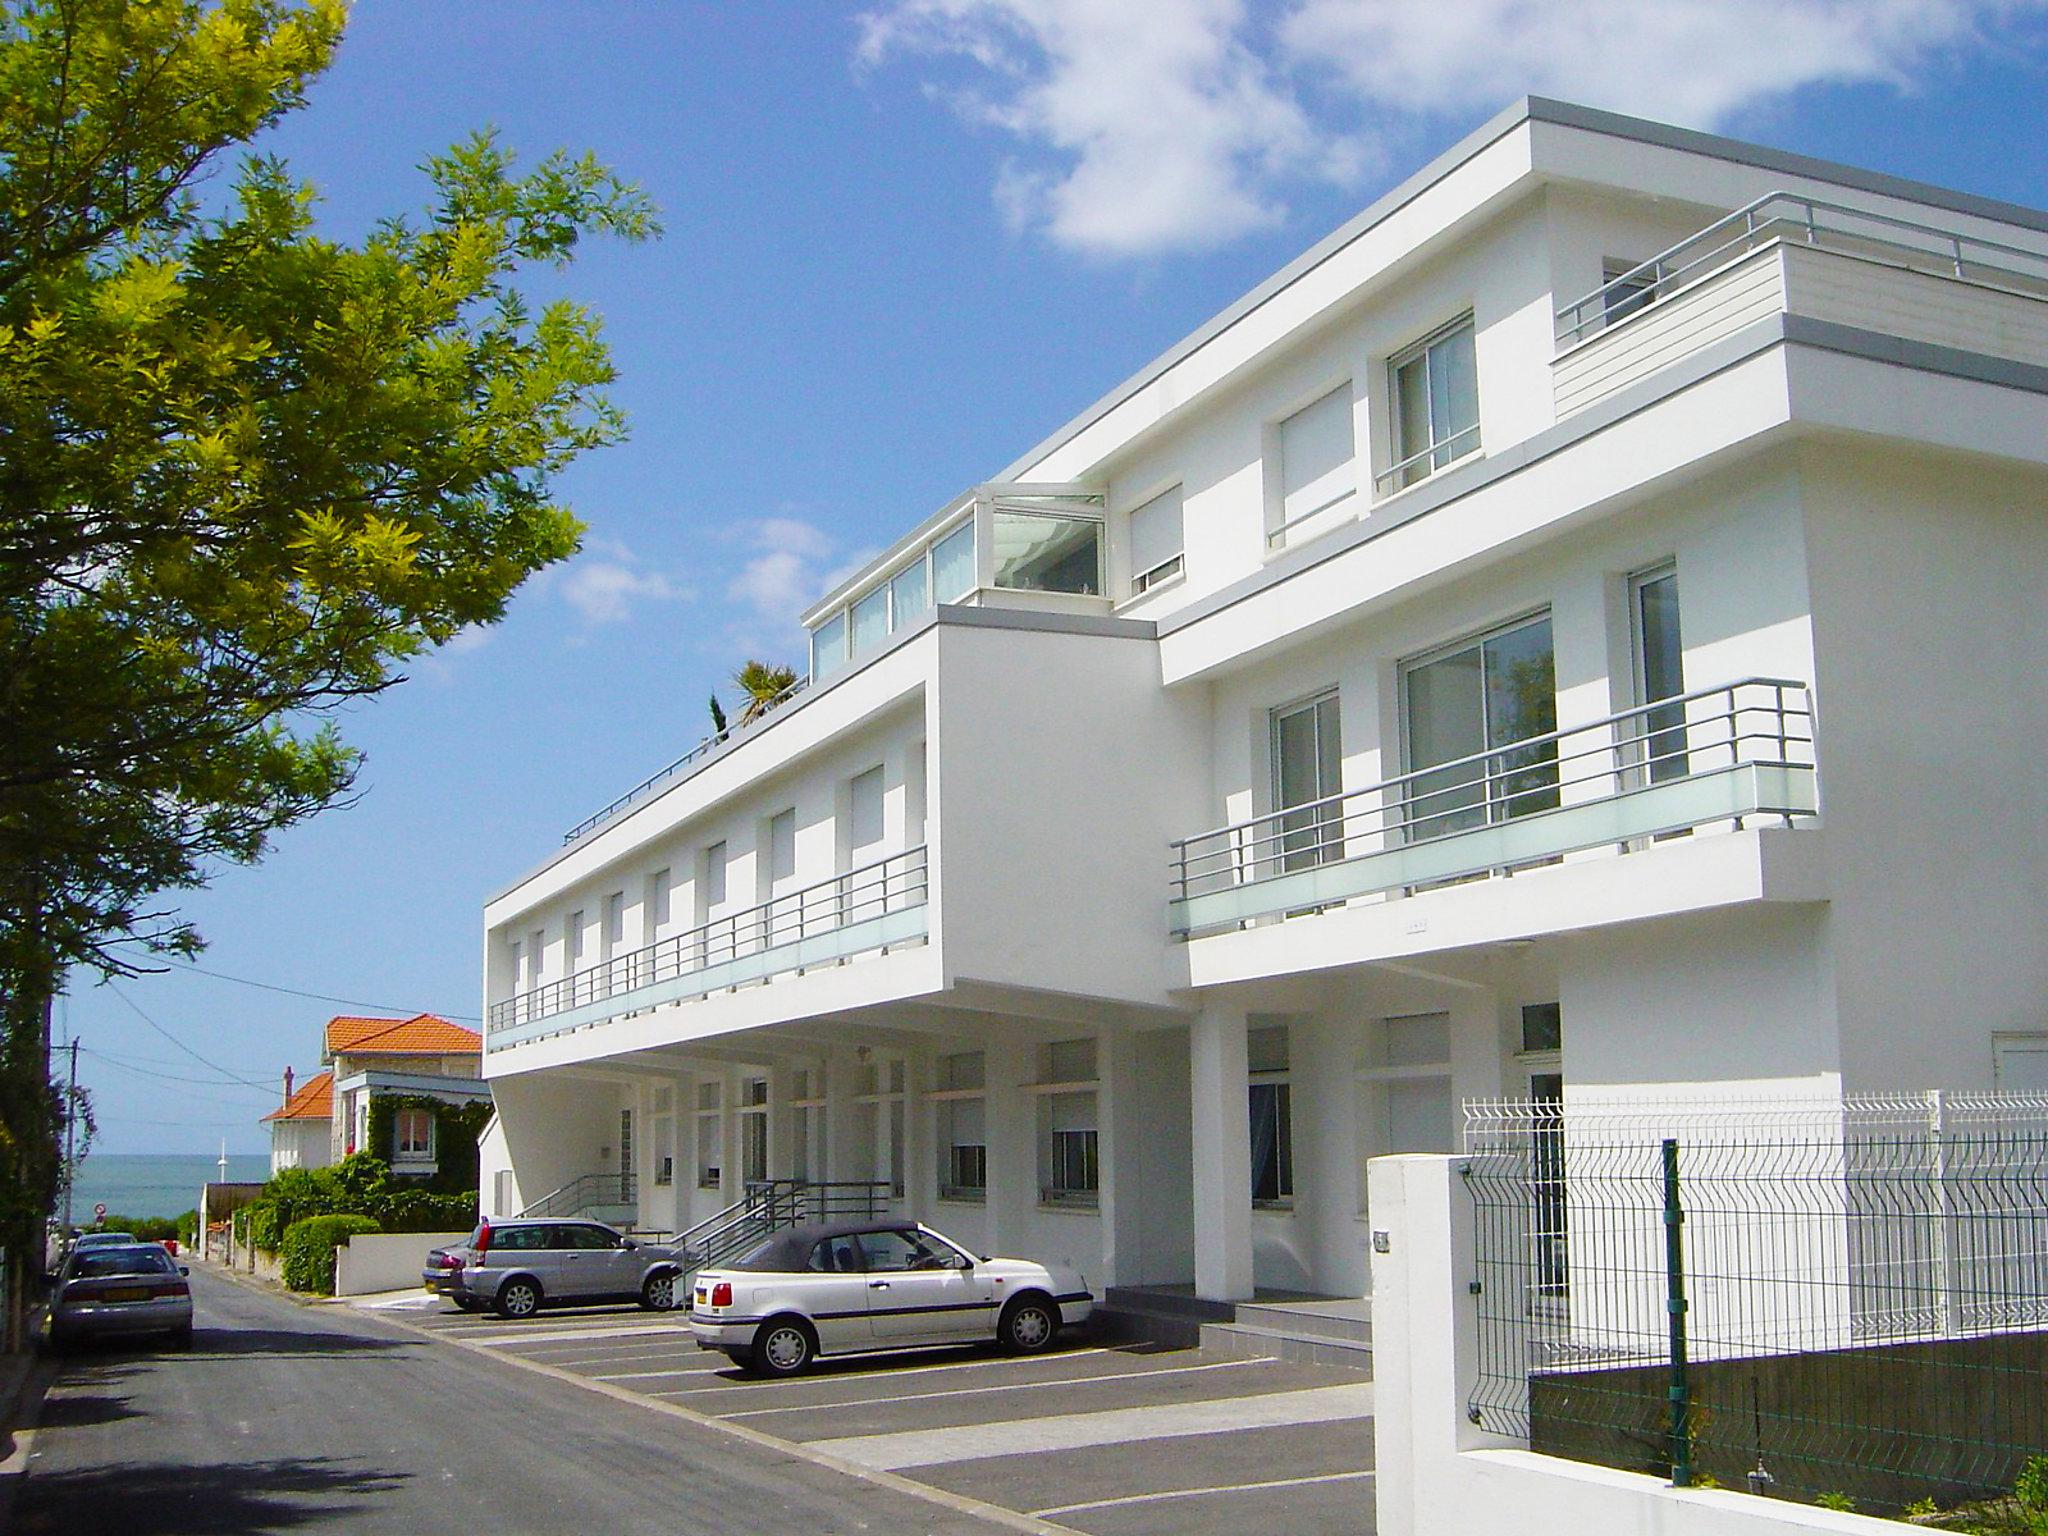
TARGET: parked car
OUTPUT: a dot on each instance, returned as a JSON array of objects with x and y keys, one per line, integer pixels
[
  {"x": 120, "y": 1289},
  {"x": 103, "y": 1240},
  {"x": 861, "y": 1286},
  {"x": 517, "y": 1267}
]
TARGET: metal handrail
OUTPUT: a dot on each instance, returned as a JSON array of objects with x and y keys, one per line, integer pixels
[
  {"x": 1810, "y": 220},
  {"x": 887, "y": 885},
  {"x": 1386, "y": 475},
  {"x": 1765, "y": 721},
  {"x": 576, "y": 1195},
  {"x": 769, "y": 1205},
  {"x": 661, "y": 776}
]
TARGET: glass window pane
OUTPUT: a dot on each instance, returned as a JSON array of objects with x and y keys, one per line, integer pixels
[
  {"x": 1660, "y": 660},
  {"x": 1316, "y": 456},
  {"x": 1266, "y": 1048},
  {"x": 1411, "y": 413},
  {"x": 1446, "y": 722},
  {"x": 1521, "y": 701},
  {"x": 1035, "y": 553},
  {"x": 865, "y": 795},
  {"x": 909, "y": 595},
  {"x": 1156, "y": 533},
  {"x": 782, "y": 846},
  {"x": 714, "y": 875},
  {"x": 828, "y": 646},
  {"x": 953, "y": 575},
  {"x": 871, "y": 621},
  {"x": 1453, "y": 396},
  {"x": 1306, "y": 768}
]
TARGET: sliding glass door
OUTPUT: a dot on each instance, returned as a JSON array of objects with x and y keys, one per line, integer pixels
[
  {"x": 1467, "y": 709},
  {"x": 1308, "y": 768}
]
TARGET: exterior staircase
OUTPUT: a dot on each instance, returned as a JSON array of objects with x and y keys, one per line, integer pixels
[{"x": 1286, "y": 1325}]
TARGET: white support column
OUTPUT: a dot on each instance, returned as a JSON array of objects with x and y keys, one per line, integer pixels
[
  {"x": 1121, "y": 1191},
  {"x": 1222, "y": 1154},
  {"x": 1009, "y": 1124}
]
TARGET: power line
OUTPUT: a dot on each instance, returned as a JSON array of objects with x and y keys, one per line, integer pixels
[
  {"x": 321, "y": 997},
  {"x": 212, "y": 1066},
  {"x": 156, "y": 1075}
]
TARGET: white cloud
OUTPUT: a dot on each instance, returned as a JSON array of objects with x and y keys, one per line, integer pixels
[
  {"x": 785, "y": 571},
  {"x": 1155, "y": 126},
  {"x": 607, "y": 583},
  {"x": 1695, "y": 62},
  {"x": 1181, "y": 124}
]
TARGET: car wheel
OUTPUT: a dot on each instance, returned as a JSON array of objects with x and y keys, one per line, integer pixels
[
  {"x": 783, "y": 1347},
  {"x": 659, "y": 1293},
  {"x": 518, "y": 1298},
  {"x": 467, "y": 1303},
  {"x": 1028, "y": 1325},
  {"x": 743, "y": 1358}
]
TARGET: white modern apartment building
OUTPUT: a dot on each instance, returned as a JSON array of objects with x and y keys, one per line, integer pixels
[{"x": 1535, "y": 644}]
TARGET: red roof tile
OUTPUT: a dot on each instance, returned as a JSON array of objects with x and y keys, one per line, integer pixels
[
  {"x": 314, "y": 1100},
  {"x": 424, "y": 1034}
]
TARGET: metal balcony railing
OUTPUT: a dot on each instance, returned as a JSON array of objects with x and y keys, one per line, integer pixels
[
  {"x": 768, "y": 1206},
  {"x": 1785, "y": 216},
  {"x": 590, "y": 1191},
  {"x": 654, "y": 781},
  {"x": 1718, "y": 754},
  {"x": 784, "y": 924}
]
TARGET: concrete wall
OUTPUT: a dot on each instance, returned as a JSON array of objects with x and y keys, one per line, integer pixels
[
  {"x": 385, "y": 1261},
  {"x": 1439, "y": 1475}
]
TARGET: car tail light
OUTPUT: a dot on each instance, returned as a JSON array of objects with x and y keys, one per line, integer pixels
[
  {"x": 175, "y": 1288},
  {"x": 721, "y": 1294},
  {"x": 483, "y": 1239}
]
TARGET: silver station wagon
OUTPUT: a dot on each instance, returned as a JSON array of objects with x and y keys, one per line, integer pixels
[
  {"x": 517, "y": 1267},
  {"x": 860, "y": 1286}
]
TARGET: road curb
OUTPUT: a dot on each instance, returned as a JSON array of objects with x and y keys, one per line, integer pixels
[{"x": 957, "y": 1503}]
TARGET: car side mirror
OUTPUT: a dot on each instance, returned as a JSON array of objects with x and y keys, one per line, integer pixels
[
  {"x": 629, "y": 1242},
  {"x": 184, "y": 1270}
]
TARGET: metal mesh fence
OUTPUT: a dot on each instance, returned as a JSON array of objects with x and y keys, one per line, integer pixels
[{"x": 1848, "y": 1295}]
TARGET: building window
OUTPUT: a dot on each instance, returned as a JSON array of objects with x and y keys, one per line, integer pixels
[
  {"x": 1318, "y": 456},
  {"x": 884, "y": 1090},
  {"x": 1627, "y": 286},
  {"x": 828, "y": 646},
  {"x": 613, "y": 938},
  {"x": 1046, "y": 552},
  {"x": 953, "y": 572},
  {"x": 1435, "y": 389},
  {"x": 664, "y": 1136},
  {"x": 1068, "y": 1173},
  {"x": 807, "y": 1111},
  {"x": 415, "y": 1133},
  {"x": 1659, "y": 670},
  {"x": 710, "y": 1154},
  {"x": 1542, "y": 1028},
  {"x": 1468, "y": 708},
  {"x": 660, "y": 898},
  {"x": 961, "y": 1124},
  {"x": 1156, "y": 541},
  {"x": 782, "y": 846},
  {"x": 909, "y": 595},
  {"x": 871, "y": 621},
  {"x": 753, "y": 1126},
  {"x": 1308, "y": 770},
  {"x": 864, "y": 824},
  {"x": 572, "y": 934},
  {"x": 1272, "y": 1116},
  {"x": 536, "y": 949},
  {"x": 713, "y": 879}
]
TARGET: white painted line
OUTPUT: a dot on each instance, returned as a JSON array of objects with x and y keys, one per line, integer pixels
[
  {"x": 688, "y": 1370},
  {"x": 562, "y": 1336},
  {"x": 1115, "y": 1426},
  {"x": 398, "y": 1304},
  {"x": 1008, "y": 1386},
  {"x": 892, "y": 1372},
  {"x": 1196, "y": 1493},
  {"x": 624, "y": 1359}
]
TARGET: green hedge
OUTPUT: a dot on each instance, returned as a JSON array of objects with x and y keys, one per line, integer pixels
[
  {"x": 150, "y": 1229},
  {"x": 308, "y": 1250},
  {"x": 358, "y": 1185}
]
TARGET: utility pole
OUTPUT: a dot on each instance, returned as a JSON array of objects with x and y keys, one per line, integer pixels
[{"x": 70, "y": 1135}]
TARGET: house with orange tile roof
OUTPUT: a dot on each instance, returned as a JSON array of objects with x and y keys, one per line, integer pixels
[{"x": 418, "y": 1061}]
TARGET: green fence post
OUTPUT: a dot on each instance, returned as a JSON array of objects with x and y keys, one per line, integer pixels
[{"x": 1674, "y": 1306}]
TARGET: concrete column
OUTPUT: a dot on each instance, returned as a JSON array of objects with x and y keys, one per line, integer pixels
[
  {"x": 1221, "y": 1116},
  {"x": 842, "y": 1082},
  {"x": 1119, "y": 1130},
  {"x": 1009, "y": 1123}
]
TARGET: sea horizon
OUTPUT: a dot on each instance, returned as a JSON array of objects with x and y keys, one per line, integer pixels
[{"x": 154, "y": 1184}]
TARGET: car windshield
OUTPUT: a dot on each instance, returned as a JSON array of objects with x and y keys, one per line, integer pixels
[
  {"x": 121, "y": 1261},
  {"x": 106, "y": 1239}
]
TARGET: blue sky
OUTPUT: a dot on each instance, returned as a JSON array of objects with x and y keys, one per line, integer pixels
[{"x": 905, "y": 239}]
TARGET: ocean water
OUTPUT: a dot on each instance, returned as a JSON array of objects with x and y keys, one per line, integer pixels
[{"x": 137, "y": 1184}]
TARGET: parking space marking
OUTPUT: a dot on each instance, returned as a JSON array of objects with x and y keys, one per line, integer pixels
[
  {"x": 732, "y": 1384},
  {"x": 1196, "y": 1493},
  {"x": 1116, "y": 1426},
  {"x": 565, "y": 1335},
  {"x": 683, "y": 1370},
  {"x": 1006, "y": 1386}
]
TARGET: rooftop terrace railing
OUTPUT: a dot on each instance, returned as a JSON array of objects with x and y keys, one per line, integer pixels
[
  {"x": 747, "y": 721},
  {"x": 819, "y": 923},
  {"x": 1785, "y": 216},
  {"x": 1717, "y": 754}
]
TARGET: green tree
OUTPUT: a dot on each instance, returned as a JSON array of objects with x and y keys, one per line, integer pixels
[
  {"x": 763, "y": 684},
  {"x": 246, "y": 470}
]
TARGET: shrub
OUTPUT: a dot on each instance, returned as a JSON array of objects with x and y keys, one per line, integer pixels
[
  {"x": 308, "y": 1250},
  {"x": 1840, "y": 1501},
  {"x": 150, "y": 1229},
  {"x": 188, "y": 1230}
]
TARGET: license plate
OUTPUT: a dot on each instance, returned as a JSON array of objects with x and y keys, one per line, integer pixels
[{"x": 125, "y": 1295}]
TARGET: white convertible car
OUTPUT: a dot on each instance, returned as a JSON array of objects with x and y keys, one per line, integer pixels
[{"x": 871, "y": 1285}]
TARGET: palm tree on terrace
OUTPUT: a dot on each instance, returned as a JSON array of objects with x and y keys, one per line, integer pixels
[{"x": 763, "y": 685}]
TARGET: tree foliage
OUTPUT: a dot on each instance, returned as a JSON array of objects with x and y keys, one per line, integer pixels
[{"x": 247, "y": 469}]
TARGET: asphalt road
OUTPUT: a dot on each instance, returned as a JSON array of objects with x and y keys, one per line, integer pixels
[{"x": 284, "y": 1417}]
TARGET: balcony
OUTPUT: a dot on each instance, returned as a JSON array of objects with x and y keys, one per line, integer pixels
[
  {"x": 1793, "y": 255},
  {"x": 871, "y": 908},
  {"x": 1719, "y": 756}
]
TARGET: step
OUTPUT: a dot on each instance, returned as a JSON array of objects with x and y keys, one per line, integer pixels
[
  {"x": 1250, "y": 1341},
  {"x": 1345, "y": 1320}
]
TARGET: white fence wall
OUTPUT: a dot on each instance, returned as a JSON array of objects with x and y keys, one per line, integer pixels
[
  {"x": 385, "y": 1261},
  {"x": 1440, "y": 1475}
]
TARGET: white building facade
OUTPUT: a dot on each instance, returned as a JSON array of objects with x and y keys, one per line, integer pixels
[{"x": 1534, "y": 645}]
